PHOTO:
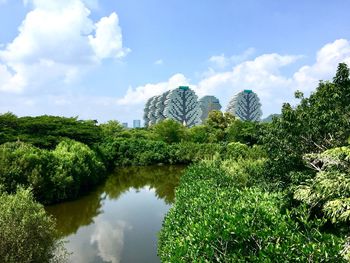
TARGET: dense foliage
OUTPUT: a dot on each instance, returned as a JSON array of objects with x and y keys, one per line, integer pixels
[
  {"x": 27, "y": 234},
  {"x": 47, "y": 131},
  {"x": 216, "y": 219},
  {"x": 63, "y": 173},
  {"x": 329, "y": 189},
  {"x": 319, "y": 122}
]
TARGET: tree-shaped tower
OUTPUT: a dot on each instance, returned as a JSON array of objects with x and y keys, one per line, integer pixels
[
  {"x": 182, "y": 105},
  {"x": 246, "y": 106}
]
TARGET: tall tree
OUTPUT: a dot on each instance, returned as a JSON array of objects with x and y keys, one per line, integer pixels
[
  {"x": 318, "y": 123},
  {"x": 182, "y": 105},
  {"x": 245, "y": 105}
]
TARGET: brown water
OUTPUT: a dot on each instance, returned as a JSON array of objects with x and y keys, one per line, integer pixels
[{"x": 119, "y": 222}]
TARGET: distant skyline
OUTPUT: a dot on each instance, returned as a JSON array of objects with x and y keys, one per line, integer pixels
[{"x": 100, "y": 59}]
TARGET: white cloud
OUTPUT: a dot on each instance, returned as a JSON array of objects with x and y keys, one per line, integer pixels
[
  {"x": 142, "y": 93},
  {"x": 222, "y": 61},
  {"x": 327, "y": 59},
  {"x": 159, "y": 62},
  {"x": 57, "y": 41},
  {"x": 108, "y": 39}
]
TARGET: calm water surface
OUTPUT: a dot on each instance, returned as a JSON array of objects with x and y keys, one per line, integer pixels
[{"x": 119, "y": 222}]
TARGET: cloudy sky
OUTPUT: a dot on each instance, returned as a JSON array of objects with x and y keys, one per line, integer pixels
[{"x": 102, "y": 59}]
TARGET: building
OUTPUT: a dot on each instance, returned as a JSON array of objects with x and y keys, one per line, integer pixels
[
  {"x": 246, "y": 106},
  {"x": 125, "y": 124},
  {"x": 208, "y": 104},
  {"x": 137, "y": 124}
]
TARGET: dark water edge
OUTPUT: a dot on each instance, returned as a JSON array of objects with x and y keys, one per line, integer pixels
[{"x": 120, "y": 220}]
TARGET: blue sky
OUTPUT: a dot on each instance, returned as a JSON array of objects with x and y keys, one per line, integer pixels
[{"x": 101, "y": 59}]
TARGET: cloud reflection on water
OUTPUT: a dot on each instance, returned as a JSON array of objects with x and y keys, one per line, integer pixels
[{"x": 109, "y": 238}]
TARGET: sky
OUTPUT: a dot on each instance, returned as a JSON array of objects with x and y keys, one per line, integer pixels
[{"x": 102, "y": 59}]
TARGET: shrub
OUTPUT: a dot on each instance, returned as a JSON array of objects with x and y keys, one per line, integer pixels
[
  {"x": 169, "y": 131},
  {"x": 187, "y": 152},
  {"x": 214, "y": 219},
  {"x": 24, "y": 164},
  {"x": 77, "y": 169},
  {"x": 329, "y": 189},
  {"x": 124, "y": 151},
  {"x": 27, "y": 234},
  {"x": 53, "y": 175}
]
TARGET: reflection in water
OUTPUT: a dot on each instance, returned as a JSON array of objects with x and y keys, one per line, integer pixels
[
  {"x": 162, "y": 179},
  {"x": 110, "y": 239},
  {"x": 119, "y": 221}
]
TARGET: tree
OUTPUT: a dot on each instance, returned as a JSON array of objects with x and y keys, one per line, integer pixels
[
  {"x": 329, "y": 190},
  {"x": 246, "y": 132},
  {"x": 111, "y": 128},
  {"x": 245, "y": 105},
  {"x": 27, "y": 233},
  {"x": 47, "y": 131},
  {"x": 318, "y": 123},
  {"x": 169, "y": 131},
  {"x": 217, "y": 123},
  {"x": 198, "y": 134},
  {"x": 342, "y": 75},
  {"x": 208, "y": 104},
  {"x": 182, "y": 105},
  {"x": 218, "y": 120}
]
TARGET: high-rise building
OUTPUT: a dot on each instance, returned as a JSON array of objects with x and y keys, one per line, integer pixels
[
  {"x": 180, "y": 104},
  {"x": 246, "y": 106},
  {"x": 137, "y": 124},
  {"x": 208, "y": 104},
  {"x": 125, "y": 124}
]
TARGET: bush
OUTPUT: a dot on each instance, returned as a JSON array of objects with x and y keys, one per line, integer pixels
[
  {"x": 56, "y": 175},
  {"x": 24, "y": 164},
  {"x": 124, "y": 151},
  {"x": 187, "y": 152},
  {"x": 27, "y": 234},
  {"x": 77, "y": 169},
  {"x": 329, "y": 189},
  {"x": 169, "y": 131},
  {"x": 214, "y": 219}
]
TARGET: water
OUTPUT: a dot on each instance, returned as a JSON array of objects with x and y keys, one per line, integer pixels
[{"x": 119, "y": 222}]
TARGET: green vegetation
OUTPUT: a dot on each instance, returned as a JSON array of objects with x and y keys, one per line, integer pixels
[
  {"x": 217, "y": 219},
  {"x": 256, "y": 192},
  {"x": 289, "y": 204},
  {"x": 63, "y": 173},
  {"x": 27, "y": 234}
]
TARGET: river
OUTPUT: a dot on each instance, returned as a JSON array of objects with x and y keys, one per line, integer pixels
[{"x": 120, "y": 220}]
